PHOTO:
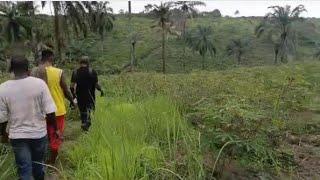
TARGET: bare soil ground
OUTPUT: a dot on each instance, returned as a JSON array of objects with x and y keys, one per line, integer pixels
[{"x": 306, "y": 147}]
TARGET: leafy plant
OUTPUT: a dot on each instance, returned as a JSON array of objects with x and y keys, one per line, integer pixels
[
  {"x": 16, "y": 24},
  {"x": 188, "y": 8},
  {"x": 101, "y": 18},
  {"x": 278, "y": 25},
  {"x": 201, "y": 41},
  {"x": 237, "y": 48},
  {"x": 162, "y": 13}
]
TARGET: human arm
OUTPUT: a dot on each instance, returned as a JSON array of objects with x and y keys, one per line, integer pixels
[
  {"x": 65, "y": 89},
  {"x": 4, "y": 134},
  {"x": 3, "y": 120},
  {"x": 51, "y": 120},
  {"x": 49, "y": 108},
  {"x": 97, "y": 85},
  {"x": 73, "y": 84}
]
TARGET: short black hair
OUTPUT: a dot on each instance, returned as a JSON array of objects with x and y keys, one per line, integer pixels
[
  {"x": 45, "y": 54},
  {"x": 84, "y": 60},
  {"x": 19, "y": 64}
]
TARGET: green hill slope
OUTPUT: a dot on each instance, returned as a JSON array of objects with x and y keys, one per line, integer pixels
[{"x": 114, "y": 51}]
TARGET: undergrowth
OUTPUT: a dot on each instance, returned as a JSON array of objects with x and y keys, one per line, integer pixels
[
  {"x": 141, "y": 140},
  {"x": 250, "y": 106}
]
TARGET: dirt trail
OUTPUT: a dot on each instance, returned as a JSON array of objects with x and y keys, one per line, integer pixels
[
  {"x": 71, "y": 134},
  {"x": 306, "y": 147}
]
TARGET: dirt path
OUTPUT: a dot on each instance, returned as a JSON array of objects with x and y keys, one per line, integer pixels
[
  {"x": 71, "y": 134},
  {"x": 306, "y": 147}
]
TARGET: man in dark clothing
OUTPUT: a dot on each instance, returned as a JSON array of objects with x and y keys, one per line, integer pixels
[{"x": 84, "y": 82}]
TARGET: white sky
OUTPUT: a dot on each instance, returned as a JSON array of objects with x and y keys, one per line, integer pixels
[{"x": 227, "y": 7}]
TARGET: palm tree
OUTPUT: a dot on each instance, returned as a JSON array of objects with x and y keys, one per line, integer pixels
[
  {"x": 67, "y": 13},
  {"x": 162, "y": 12},
  {"x": 187, "y": 8},
  {"x": 100, "y": 18},
  {"x": 38, "y": 27},
  {"x": 201, "y": 41},
  {"x": 237, "y": 48},
  {"x": 57, "y": 28},
  {"x": 237, "y": 12},
  {"x": 16, "y": 23},
  {"x": 75, "y": 14},
  {"x": 278, "y": 25}
]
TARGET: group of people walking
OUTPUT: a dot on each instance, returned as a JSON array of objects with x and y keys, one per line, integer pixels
[{"x": 33, "y": 110}]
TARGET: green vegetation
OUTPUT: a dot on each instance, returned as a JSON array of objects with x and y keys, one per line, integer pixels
[
  {"x": 167, "y": 126},
  {"x": 278, "y": 23},
  {"x": 249, "y": 110},
  {"x": 200, "y": 41},
  {"x": 147, "y": 139}
]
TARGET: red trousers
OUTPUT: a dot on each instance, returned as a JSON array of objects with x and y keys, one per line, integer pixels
[{"x": 54, "y": 141}]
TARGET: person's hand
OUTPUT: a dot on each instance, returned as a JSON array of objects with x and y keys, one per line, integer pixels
[
  {"x": 74, "y": 103},
  {"x": 58, "y": 134},
  {"x": 101, "y": 93},
  {"x": 5, "y": 138}
]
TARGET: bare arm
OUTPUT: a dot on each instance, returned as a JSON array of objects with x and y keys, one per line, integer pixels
[
  {"x": 73, "y": 89},
  {"x": 51, "y": 119},
  {"x": 73, "y": 84},
  {"x": 98, "y": 87},
  {"x": 49, "y": 108},
  {"x": 65, "y": 88},
  {"x": 3, "y": 127}
]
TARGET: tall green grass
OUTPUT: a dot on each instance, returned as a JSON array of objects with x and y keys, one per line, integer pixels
[
  {"x": 7, "y": 168},
  {"x": 252, "y": 106},
  {"x": 143, "y": 140}
]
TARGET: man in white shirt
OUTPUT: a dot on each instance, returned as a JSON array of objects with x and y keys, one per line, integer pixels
[{"x": 25, "y": 103}]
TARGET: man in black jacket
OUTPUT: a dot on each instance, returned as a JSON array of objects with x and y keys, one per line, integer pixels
[{"x": 84, "y": 82}]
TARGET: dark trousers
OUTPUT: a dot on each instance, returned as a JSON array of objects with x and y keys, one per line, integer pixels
[
  {"x": 85, "y": 114},
  {"x": 28, "y": 154}
]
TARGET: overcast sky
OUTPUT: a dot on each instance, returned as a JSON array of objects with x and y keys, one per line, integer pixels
[{"x": 227, "y": 7}]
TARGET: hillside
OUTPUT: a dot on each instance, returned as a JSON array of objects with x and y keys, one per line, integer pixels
[{"x": 115, "y": 52}]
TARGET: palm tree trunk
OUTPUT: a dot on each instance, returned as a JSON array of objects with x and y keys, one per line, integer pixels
[
  {"x": 135, "y": 62},
  {"x": 102, "y": 43},
  {"x": 184, "y": 27},
  {"x": 239, "y": 58},
  {"x": 57, "y": 29},
  {"x": 163, "y": 50},
  {"x": 184, "y": 45},
  {"x": 203, "y": 62},
  {"x": 33, "y": 37},
  {"x": 132, "y": 43},
  {"x": 183, "y": 59},
  {"x": 131, "y": 57},
  {"x": 276, "y": 52}
]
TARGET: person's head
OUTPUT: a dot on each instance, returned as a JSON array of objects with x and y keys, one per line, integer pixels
[
  {"x": 47, "y": 56},
  {"x": 84, "y": 61},
  {"x": 19, "y": 65}
]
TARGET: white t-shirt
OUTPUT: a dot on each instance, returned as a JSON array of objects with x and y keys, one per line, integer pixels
[{"x": 24, "y": 103}]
